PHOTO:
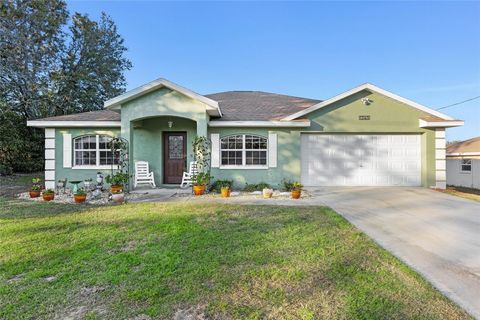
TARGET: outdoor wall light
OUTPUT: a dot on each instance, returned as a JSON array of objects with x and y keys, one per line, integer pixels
[
  {"x": 170, "y": 124},
  {"x": 367, "y": 101}
]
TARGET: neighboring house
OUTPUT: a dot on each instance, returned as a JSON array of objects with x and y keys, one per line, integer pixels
[
  {"x": 363, "y": 137},
  {"x": 463, "y": 163}
]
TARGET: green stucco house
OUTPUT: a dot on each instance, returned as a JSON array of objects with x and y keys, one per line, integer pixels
[{"x": 365, "y": 136}]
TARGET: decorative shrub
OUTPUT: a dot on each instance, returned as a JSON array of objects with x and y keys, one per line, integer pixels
[
  {"x": 118, "y": 179},
  {"x": 219, "y": 184},
  {"x": 202, "y": 179},
  {"x": 287, "y": 185},
  {"x": 256, "y": 187}
]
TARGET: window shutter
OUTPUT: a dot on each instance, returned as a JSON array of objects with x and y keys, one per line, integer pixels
[
  {"x": 67, "y": 150},
  {"x": 215, "y": 137},
  {"x": 272, "y": 150}
]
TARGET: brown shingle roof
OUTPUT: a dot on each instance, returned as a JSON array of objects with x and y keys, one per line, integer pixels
[
  {"x": 258, "y": 105},
  {"x": 100, "y": 115},
  {"x": 471, "y": 145}
]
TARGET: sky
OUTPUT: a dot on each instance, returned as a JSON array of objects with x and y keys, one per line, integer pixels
[{"x": 428, "y": 52}]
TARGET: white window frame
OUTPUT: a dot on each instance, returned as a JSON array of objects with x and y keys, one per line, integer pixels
[
  {"x": 97, "y": 166},
  {"x": 244, "y": 150},
  {"x": 469, "y": 164}
]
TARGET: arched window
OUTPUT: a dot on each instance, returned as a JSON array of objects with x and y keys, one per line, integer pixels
[
  {"x": 93, "y": 151},
  {"x": 243, "y": 150}
]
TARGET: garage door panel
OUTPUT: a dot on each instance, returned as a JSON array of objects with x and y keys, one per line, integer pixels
[{"x": 360, "y": 160}]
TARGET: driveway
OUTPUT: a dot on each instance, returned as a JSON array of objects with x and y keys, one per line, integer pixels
[{"x": 437, "y": 234}]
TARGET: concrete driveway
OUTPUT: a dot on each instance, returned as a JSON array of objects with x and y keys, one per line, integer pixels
[{"x": 437, "y": 234}]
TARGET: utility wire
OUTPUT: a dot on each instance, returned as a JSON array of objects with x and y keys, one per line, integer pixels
[{"x": 454, "y": 104}]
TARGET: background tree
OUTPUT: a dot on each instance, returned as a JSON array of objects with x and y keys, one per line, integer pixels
[{"x": 47, "y": 69}]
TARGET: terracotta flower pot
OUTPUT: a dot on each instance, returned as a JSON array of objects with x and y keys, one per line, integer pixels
[
  {"x": 80, "y": 198},
  {"x": 34, "y": 193},
  {"x": 296, "y": 194},
  {"x": 225, "y": 192},
  {"x": 48, "y": 196},
  {"x": 198, "y": 190},
  {"x": 116, "y": 188},
  {"x": 118, "y": 197}
]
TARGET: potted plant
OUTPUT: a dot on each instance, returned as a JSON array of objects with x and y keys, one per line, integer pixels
[
  {"x": 118, "y": 197},
  {"x": 48, "y": 194},
  {"x": 296, "y": 190},
  {"x": 200, "y": 182},
  {"x": 267, "y": 193},
  {"x": 225, "y": 190},
  {"x": 35, "y": 189},
  {"x": 117, "y": 181},
  {"x": 80, "y": 196}
]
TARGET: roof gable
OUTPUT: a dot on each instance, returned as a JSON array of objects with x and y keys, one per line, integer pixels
[
  {"x": 371, "y": 88},
  {"x": 212, "y": 106}
]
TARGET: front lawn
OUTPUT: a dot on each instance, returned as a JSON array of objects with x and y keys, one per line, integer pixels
[{"x": 157, "y": 260}]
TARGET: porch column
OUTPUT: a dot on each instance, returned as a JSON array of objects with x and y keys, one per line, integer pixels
[{"x": 202, "y": 127}]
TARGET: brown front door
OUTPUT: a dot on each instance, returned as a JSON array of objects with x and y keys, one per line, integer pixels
[{"x": 174, "y": 156}]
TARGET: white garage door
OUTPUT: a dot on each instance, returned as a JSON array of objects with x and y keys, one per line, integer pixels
[{"x": 360, "y": 160}]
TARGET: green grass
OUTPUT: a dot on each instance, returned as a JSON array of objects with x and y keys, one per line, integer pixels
[{"x": 216, "y": 261}]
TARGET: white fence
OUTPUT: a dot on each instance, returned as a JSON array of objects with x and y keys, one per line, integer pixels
[{"x": 457, "y": 177}]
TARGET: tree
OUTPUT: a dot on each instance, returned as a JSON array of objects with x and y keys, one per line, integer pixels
[
  {"x": 92, "y": 66},
  {"x": 31, "y": 39},
  {"x": 47, "y": 69}
]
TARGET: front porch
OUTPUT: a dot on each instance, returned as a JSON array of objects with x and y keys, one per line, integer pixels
[{"x": 166, "y": 144}]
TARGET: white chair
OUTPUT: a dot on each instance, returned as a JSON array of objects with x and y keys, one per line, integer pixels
[
  {"x": 187, "y": 178},
  {"x": 143, "y": 175}
]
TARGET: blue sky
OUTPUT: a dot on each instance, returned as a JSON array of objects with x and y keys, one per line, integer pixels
[{"x": 428, "y": 52}]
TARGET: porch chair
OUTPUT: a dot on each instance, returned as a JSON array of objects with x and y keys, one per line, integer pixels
[
  {"x": 143, "y": 175},
  {"x": 187, "y": 178}
]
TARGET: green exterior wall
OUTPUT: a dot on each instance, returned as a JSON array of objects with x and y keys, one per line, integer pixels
[
  {"x": 77, "y": 174},
  {"x": 146, "y": 118}
]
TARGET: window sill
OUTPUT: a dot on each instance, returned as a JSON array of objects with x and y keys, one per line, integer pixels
[
  {"x": 105, "y": 167},
  {"x": 466, "y": 172},
  {"x": 243, "y": 167}
]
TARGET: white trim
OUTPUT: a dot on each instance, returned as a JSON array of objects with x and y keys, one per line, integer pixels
[
  {"x": 441, "y": 164},
  {"x": 49, "y": 143},
  {"x": 215, "y": 138},
  {"x": 440, "y": 124},
  {"x": 369, "y": 87},
  {"x": 67, "y": 150},
  {"x": 50, "y": 164},
  {"x": 272, "y": 150},
  {"x": 49, "y": 133},
  {"x": 212, "y": 105},
  {"x": 463, "y": 154},
  {"x": 50, "y": 184},
  {"x": 439, "y": 133},
  {"x": 461, "y": 166},
  {"x": 50, "y": 175},
  {"x": 219, "y": 124},
  {"x": 49, "y": 154},
  {"x": 243, "y": 167},
  {"x": 102, "y": 167},
  {"x": 73, "y": 124},
  {"x": 440, "y": 143}
]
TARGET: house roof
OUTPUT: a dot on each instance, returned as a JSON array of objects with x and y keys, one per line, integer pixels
[
  {"x": 100, "y": 115},
  {"x": 258, "y": 105},
  {"x": 464, "y": 147}
]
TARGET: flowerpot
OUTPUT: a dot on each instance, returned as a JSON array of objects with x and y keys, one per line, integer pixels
[
  {"x": 34, "y": 193},
  {"x": 116, "y": 188},
  {"x": 198, "y": 190},
  {"x": 118, "y": 197},
  {"x": 225, "y": 192},
  {"x": 296, "y": 194},
  {"x": 267, "y": 193},
  {"x": 48, "y": 196},
  {"x": 80, "y": 198}
]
